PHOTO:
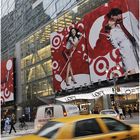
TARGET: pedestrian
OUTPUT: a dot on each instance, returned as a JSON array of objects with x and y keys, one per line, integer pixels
[
  {"x": 124, "y": 112},
  {"x": 2, "y": 124},
  {"x": 130, "y": 112},
  {"x": 120, "y": 113},
  {"x": 6, "y": 125},
  {"x": 96, "y": 111},
  {"x": 12, "y": 123},
  {"x": 116, "y": 109}
]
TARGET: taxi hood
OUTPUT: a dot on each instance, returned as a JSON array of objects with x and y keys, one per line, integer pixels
[
  {"x": 30, "y": 137},
  {"x": 135, "y": 125}
]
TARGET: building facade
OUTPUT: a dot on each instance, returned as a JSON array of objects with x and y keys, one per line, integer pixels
[
  {"x": 21, "y": 17},
  {"x": 33, "y": 48}
]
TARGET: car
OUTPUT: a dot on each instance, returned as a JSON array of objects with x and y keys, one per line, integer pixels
[
  {"x": 110, "y": 112},
  {"x": 47, "y": 112},
  {"x": 85, "y": 127}
]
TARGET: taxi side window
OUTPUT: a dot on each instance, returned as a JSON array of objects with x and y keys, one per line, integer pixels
[
  {"x": 114, "y": 125},
  {"x": 87, "y": 127}
]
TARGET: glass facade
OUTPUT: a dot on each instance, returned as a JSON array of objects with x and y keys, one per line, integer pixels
[
  {"x": 19, "y": 18},
  {"x": 36, "y": 64}
]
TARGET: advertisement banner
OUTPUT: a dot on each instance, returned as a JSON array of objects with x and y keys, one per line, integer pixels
[
  {"x": 7, "y": 81},
  {"x": 69, "y": 57},
  {"x": 99, "y": 93},
  {"x": 112, "y": 40},
  {"x": 104, "y": 45}
]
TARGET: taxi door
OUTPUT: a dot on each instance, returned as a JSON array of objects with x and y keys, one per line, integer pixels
[
  {"x": 101, "y": 129},
  {"x": 115, "y": 129},
  {"x": 88, "y": 129}
]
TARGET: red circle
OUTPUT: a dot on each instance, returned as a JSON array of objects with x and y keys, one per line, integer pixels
[
  {"x": 7, "y": 93},
  {"x": 101, "y": 66},
  {"x": 118, "y": 56},
  {"x": 2, "y": 99},
  {"x": 55, "y": 40},
  {"x": 115, "y": 74}
]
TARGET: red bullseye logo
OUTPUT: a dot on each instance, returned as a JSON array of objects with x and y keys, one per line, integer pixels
[
  {"x": 56, "y": 41},
  {"x": 7, "y": 93},
  {"x": 2, "y": 99},
  {"x": 55, "y": 65},
  {"x": 100, "y": 66},
  {"x": 114, "y": 72},
  {"x": 115, "y": 55}
]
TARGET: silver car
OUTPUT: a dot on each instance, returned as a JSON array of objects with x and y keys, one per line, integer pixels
[{"x": 110, "y": 112}]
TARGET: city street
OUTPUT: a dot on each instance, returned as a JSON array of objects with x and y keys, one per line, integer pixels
[
  {"x": 134, "y": 120},
  {"x": 73, "y": 62}
]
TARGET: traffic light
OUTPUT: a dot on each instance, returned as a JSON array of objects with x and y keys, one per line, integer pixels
[{"x": 112, "y": 97}]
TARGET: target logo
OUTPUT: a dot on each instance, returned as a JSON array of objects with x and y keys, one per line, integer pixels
[
  {"x": 2, "y": 99},
  {"x": 114, "y": 72},
  {"x": 56, "y": 41},
  {"x": 115, "y": 55},
  {"x": 55, "y": 65},
  {"x": 7, "y": 93},
  {"x": 100, "y": 66}
]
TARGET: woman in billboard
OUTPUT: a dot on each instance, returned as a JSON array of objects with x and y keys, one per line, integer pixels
[
  {"x": 122, "y": 39},
  {"x": 72, "y": 42}
]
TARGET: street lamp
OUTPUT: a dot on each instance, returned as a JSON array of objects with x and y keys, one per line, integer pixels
[{"x": 115, "y": 87}]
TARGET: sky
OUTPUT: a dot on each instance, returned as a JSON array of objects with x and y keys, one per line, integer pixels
[{"x": 6, "y": 7}]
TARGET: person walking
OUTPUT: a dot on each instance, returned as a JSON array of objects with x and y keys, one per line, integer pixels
[
  {"x": 130, "y": 112},
  {"x": 12, "y": 123},
  {"x": 116, "y": 109},
  {"x": 6, "y": 125},
  {"x": 2, "y": 124},
  {"x": 124, "y": 112},
  {"x": 120, "y": 113}
]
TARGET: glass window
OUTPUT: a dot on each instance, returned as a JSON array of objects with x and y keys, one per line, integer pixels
[
  {"x": 114, "y": 125},
  {"x": 87, "y": 127},
  {"x": 50, "y": 129}
]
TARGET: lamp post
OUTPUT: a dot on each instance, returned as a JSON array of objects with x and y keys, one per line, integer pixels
[{"x": 114, "y": 76}]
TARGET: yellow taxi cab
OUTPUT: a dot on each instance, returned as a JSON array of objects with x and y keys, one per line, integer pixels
[{"x": 85, "y": 127}]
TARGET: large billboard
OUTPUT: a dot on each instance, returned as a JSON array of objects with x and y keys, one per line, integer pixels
[
  {"x": 70, "y": 59},
  {"x": 103, "y": 45},
  {"x": 112, "y": 40},
  {"x": 7, "y": 81}
]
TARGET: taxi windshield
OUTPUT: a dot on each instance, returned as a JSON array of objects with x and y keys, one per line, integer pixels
[{"x": 50, "y": 129}]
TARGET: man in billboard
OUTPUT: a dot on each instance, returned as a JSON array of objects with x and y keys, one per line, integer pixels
[
  {"x": 122, "y": 39},
  {"x": 72, "y": 42}
]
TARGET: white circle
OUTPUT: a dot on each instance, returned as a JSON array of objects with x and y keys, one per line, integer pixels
[
  {"x": 56, "y": 42},
  {"x": 58, "y": 77},
  {"x": 97, "y": 66},
  {"x": 55, "y": 65},
  {"x": 9, "y": 64}
]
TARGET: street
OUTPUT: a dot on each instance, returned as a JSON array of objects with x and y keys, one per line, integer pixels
[{"x": 134, "y": 120}]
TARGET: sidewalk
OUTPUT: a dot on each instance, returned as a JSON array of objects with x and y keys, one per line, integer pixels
[
  {"x": 20, "y": 132},
  {"x": 30, "y": 125},
  {"x": 134, "y": 115}
]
